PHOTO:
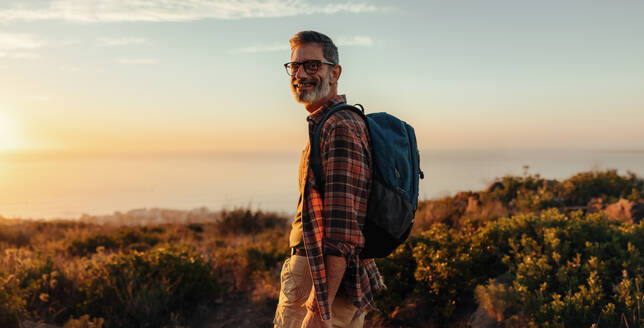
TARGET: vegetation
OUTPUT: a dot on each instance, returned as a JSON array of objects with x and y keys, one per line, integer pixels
[
  {"x": 529, "y": 252},
  {"x": 526, "y": 253},
  {"x": 513, "y": 195},
  {"x": 547, "y": 270},
  {"x": 80, "y": 274}
]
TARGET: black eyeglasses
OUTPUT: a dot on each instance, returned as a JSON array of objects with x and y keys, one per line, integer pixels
[{"x": 310, "y": 66}]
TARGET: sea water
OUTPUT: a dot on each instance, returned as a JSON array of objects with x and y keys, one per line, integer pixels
[{"x": 68, "y": 186}]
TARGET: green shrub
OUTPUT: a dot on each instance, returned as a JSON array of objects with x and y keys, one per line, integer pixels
[
  {"x": 244, "y": 221},
  {"x": 563, "y": 270},
  {"x": 532, "y": 270},
  {"x": 198, "y": 228},
  {"x": 259, "y": 260},
  {"x": 32, "y": 287},
  {"x": 88, "y": 246},
  {"x": 49, "y": 295},
  {"x": 533, "y": 193},
  {"x": 148, "y": 289},
  {"x": 448, "y": 267},
  {"x": 246, "y": 266},
  {"x": 12, "y": 235},
  {"x": 84, "y": 321},
  {"x": 610, "y": 186},
  {"x": 496, "y": 298},
  {"x": 12, "y": 301},
  {"x": 125, "y": 238},
  {"x": 397, "y": 270},
  {"x": 514, "y": 185}
]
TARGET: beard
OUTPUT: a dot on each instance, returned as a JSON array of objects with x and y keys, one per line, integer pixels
[{"x": 321, "y": 89}]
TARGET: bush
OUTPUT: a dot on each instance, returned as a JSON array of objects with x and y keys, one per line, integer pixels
[
  {"x": 563, "y": 270},
  {"x": 12, "y": 236},
  {"x": 397, "y": 270},
  {"x": 49, "y": 294},
  {"x": 534, "y": 270},
  {"x": 12, "y": 301},
  {"x": 33, "y": 288},
  {"x": 531, "y": 192},
  {"x": 513, "y": 186},
  {"x": 608, "y": 185},
  {"x": 250, "y": 267},
  {"x": 448, "y": 267},
  {"x": 126, "y": 238},
  {"x": 244, "y": 221},
  {"x": 198, "y": 228},
  {"x": 447, "y": 210},
  {"x": 89, "y": 245},
  {"x": 84, "y": 321},
  {"x": 148, "y": 289}
]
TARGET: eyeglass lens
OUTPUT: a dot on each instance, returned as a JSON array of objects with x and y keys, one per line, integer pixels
[{"x": 310, "y": 67}]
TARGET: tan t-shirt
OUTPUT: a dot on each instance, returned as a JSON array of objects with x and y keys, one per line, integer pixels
[{"x": 295, "y": 238}]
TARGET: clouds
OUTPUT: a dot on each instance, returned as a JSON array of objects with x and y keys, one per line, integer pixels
[
  {"x": 17, "y": 41},
  {"x": 342, "y": 41},
  {"x": 138, "y": 61},
  {"x": 27, "y": 46},
  {"x": 19, "y": 55},
  {"x": 354, "y": 41},
  {"x": 114, "y": 11},
  {"x": 176, "y": 11},
  {"x": 261, "y": 49},
  {"x": 122, "y": 41},
  {"x": 19, "y": 46}
]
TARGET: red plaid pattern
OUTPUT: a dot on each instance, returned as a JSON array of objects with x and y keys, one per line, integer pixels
[{"x": 332, "y": 220}]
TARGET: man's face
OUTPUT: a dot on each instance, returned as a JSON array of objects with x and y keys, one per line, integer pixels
[{"x": 306, "y": 88}]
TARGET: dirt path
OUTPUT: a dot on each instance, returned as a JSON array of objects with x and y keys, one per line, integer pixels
[{"x": 237, "y": 311}]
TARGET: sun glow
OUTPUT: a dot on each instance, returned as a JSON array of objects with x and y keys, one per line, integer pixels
[{"x": 8, "y": 138}]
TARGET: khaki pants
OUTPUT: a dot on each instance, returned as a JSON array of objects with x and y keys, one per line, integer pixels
[{"x": 295, "y": 289}]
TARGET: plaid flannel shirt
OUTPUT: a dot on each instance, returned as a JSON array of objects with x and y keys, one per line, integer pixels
[{"x": 332, "y": 220}]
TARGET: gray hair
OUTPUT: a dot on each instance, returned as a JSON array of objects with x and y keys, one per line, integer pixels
[{"x": 329, "y": 50}]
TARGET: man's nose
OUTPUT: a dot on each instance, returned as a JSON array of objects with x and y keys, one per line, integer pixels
[{"x": 301, "y": 73}]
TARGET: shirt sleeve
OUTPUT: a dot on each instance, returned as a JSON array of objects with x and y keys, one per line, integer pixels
[{"x": 346, "y": 177}]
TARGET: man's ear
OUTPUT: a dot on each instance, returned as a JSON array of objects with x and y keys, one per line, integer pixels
[{"x": 336, "y": 71}]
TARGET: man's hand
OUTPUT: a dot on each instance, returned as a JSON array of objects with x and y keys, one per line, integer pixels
[
  {"x": 335, "y": 267},
  {"x": 313, "y": 320}
]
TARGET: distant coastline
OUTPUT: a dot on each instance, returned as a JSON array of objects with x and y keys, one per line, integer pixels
[{"x": 97, "y": 185}]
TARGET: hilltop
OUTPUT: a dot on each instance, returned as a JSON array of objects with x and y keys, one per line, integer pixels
[{"x": 526, "y": 251}]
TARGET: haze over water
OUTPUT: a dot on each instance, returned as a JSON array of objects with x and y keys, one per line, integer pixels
[{"x": 100, "y": 185}]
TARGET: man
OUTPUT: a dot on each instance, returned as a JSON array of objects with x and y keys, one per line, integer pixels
[{"x": 325, "y": 283}]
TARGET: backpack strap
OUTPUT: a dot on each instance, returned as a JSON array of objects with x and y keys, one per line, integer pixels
[{"x": 315, "y": 160}]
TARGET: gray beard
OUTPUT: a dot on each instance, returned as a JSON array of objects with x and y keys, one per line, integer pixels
[{"x": 320, "y": 91}]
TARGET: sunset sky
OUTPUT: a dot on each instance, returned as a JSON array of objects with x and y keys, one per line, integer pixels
[{"x": 203, "y": 76}]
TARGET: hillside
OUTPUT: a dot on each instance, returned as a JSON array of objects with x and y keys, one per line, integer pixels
[{"x": 526, "y": 251}]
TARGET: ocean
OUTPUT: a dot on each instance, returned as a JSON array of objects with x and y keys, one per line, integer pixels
[{"x": 67, "y": 187}]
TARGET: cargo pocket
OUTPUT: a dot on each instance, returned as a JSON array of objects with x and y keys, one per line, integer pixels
[{"x": 292, "y": 291}]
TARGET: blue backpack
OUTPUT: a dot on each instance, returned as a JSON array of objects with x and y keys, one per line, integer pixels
[{"x": 396, "y": 172}]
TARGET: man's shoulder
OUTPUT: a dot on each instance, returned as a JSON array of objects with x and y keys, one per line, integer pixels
[{"x": 347, "y": 119}]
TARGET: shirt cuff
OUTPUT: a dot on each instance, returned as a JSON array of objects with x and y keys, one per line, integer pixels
[
  {"x": 325, "y": 313},
  {"x": 338, "y": 248}
]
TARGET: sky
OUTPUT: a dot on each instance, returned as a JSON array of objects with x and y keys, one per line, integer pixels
[{"x": 119, "y": 76}]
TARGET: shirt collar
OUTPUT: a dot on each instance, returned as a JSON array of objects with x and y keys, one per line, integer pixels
[{"x": 318, "y": 115}]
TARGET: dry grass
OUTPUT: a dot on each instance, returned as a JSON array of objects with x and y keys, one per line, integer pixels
[{"x": 50, "y": 270}]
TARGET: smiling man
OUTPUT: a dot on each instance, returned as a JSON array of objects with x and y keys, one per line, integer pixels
[{"x": 324, "y": 283}]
